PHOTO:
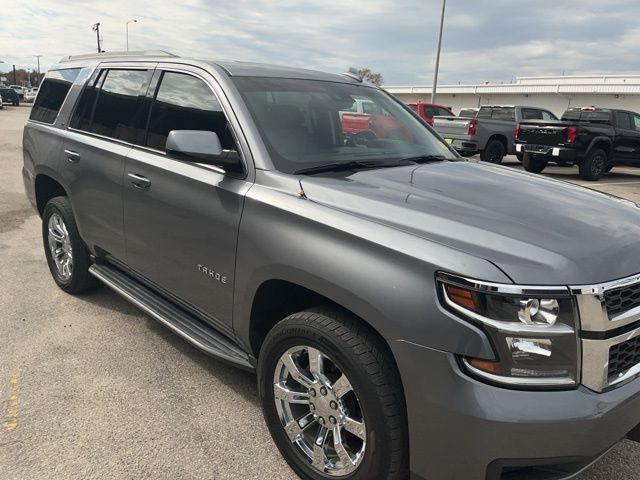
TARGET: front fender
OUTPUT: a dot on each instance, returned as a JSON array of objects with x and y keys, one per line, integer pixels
[{"x": 382, "y": 275}]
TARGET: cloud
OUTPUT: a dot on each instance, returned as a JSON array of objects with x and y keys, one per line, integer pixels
[{"x": 483, "y": 41}]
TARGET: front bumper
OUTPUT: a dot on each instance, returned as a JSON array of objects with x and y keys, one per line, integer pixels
[
  {"x": 561, "y": 154},
  {"x": 460, "y": 428}
]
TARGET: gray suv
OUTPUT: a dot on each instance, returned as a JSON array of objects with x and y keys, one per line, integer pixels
[{"x": 409, "y": 313}]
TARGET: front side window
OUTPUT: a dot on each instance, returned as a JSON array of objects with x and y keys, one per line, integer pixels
[
  {"x": 302, "y": 125},
  {"x": 54, "y": 90},
  {"x": 184, "y": 102}
]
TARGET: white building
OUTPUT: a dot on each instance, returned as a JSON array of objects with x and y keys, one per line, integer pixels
[{"x": 552, "y": 93}]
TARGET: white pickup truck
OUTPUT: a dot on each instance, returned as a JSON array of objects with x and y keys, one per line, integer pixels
[{"x": 490, "y": 133}]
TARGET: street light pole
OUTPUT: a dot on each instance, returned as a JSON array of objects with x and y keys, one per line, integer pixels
[
  {"x": 127, "y": 29},
  {"x": 96, "y": 28},
  {"x": 435, "y": 76},
  {"x": 38, "y": 79}
]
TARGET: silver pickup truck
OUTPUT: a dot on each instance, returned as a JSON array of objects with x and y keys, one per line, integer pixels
[{"x": 490, "y": 133}]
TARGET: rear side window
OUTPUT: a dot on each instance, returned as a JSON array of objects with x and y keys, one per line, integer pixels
[
  {"x": 503, "y": 113},
  {"x": 484, "y": 112},
  {"x": 52, "y": 93},
  {"x": 623, "y": 121},
  {"x": 184, "y": 102},
  {"x": 84, "y": 111}
]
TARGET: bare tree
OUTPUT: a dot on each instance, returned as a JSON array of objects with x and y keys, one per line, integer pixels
[{"x": 366, "y": 74}]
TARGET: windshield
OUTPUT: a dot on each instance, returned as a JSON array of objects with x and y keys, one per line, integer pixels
[{"x": 308, "y": 123}]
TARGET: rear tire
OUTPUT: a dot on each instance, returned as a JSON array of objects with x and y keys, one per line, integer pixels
[
  {"x": 345, "y": 349},
  {"x": 67, "y": 255},
  {"x": 532, "y": 164},
  {"x": 593, "y": 167},
  {"x": 493, "y": 152},
  {"x": 520, "y": 156}
]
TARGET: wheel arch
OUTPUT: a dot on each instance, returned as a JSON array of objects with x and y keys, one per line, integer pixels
[
  {"x": 600, "y": 142},
  {"x": 46, "y": 188},
  {"x": 503, "y": 139}
]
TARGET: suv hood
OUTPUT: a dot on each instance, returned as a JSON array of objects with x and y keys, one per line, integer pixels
[{"x": 538, "y": 231}]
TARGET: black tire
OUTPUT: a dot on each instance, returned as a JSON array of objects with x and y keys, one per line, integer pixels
[
  {"x": 80, "y": 279},
  {"x": 363, "y": 358},
  {"x": 493, "y": 152},
  {"x": 467, "y": 154},
  {"x": 593, "y": 167},
  {"x": 533, "y": 164},
  {"x": 608, "y": 167},
  {"x": 520, "y": 156}
]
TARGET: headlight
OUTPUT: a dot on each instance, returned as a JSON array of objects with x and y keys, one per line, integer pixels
[{"x": 532, "y": 329}]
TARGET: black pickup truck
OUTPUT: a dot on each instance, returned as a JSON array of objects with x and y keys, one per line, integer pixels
[{"x": 595, "y": 139}]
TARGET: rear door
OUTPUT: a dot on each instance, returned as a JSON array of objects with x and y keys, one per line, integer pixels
[
  {"x": 182, "y": 218},
  {"x": 106, "y": 122},
  {"x": 626, "y": 142}
]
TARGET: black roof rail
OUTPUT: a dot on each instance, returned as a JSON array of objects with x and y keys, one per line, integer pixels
[{"x": 140, "y": 53}]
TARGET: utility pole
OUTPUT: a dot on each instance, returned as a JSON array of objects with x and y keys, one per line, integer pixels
[
  {"x": 38, "y": 79},
  {"x": 15, "y": 82},
  {"x": 127, "y": 29},
  {"x": 435, "y": 76},
  {"x": 96, "y": 28}
]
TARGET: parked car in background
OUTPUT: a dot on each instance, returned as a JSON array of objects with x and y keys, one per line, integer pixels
[
  {"x": 1, "y": 105},
  {"x": 19, "y": 90},
  {"x": 9, "y": 95},
  {"x": 366, "y": 121},
  {"x": 468, "y": 112},
  {"x": 427, "y": 111},
  {"x": 490, "y": 133},
  {"x": 30, "y": 95},
  {"x": 595, "y": 139}
]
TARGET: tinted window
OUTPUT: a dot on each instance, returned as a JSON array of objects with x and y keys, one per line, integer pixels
[
  {"x": 84, "y": 110},
  {"x": 371, "y": 108},
  {"x": 636, "y": 122},
  {"x": 484, "y": 112},
  {"x": 503, "y": 113},
  {"x": 429, "y": 112},
  {"x": 117, "y": 113},
  {"x": 184, "y": 102},
  {"x": 443, "y": 112},
  {"x": 413, "y": 107},
  {"x": 54, "y": 90},
  {"x": 531, "y": 114},
  {"x": 623, "y": 121},
  {"x": 468, "y": 113},
  {"x": 597, "y": 117}
]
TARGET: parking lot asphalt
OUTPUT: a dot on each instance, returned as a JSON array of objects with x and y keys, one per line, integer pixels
[{"x": 92, "y": 388}]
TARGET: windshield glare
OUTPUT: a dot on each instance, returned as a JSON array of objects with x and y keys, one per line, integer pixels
[{"x": 307, "y": 123}]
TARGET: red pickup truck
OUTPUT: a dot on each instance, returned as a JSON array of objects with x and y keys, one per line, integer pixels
[
  {"x": 365, "y": 121},
  {"x": 427, "y": 111}
]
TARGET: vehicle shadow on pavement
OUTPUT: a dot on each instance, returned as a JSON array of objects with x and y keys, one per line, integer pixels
[{"x": 240, "y": 381}]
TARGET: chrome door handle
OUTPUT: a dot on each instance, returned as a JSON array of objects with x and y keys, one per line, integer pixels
[
  {"x": 72, "y": 156},
  {"x": 138, "y": 181}
]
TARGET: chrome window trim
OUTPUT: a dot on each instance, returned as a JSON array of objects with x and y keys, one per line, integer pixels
[
  {"x": 595, "y": 362},
  {"x": 505, "y": 288},
  {"x": 520, "y": 382}
]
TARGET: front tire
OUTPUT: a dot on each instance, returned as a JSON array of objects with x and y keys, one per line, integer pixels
[
  {"x": 332, "y": 398},
  {"x": 594, "y": 166},
  {"x": 67, "y": 255},
  {"x": 532, "y": 164},
  {"x": 493, "y": 152}
]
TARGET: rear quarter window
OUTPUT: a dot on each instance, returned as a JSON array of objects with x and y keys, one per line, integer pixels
[{"x": 53, "y": 91}]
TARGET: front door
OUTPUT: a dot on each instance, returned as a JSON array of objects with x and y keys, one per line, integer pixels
[{"x": 181, "y": 219}]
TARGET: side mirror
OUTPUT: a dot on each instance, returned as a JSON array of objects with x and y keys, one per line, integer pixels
[{"x": 201, "y": 146}]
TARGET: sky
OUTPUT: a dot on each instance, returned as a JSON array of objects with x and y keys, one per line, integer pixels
[{"x": 484, "y": 41}]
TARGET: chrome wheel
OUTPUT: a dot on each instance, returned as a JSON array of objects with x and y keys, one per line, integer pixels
[
  {"x": 60, "y": 246},
  {"x": 319, "y": 411}
]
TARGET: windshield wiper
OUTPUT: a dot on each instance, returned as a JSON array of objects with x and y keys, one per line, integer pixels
[
  {"x": 341, "y": 166},
  {"x": 425, "y": 158}
]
